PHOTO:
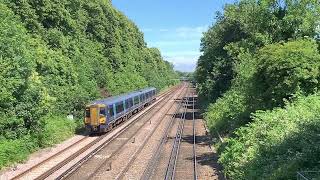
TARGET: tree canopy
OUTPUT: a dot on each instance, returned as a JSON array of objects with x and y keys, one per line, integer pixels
[
  {"x": 58, "y": 55},
  {"x": 257, "y": 77}
]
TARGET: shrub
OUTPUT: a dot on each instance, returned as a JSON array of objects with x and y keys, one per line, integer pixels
[
  {"x": 288, "y": 68},
  {"x": 56, "y": 129},
  {"x": 277, "y": 143}
]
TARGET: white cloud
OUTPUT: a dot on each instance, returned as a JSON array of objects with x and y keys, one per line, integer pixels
[
  {"x": 198, "y": 29},
  {"x": 174, "y": 42},
  {"x": 164, "y": 30},
  {"x": 185, "y": 63},
  {"x": 191, "y": 32},
  {"x": 182, "y": 53},
  {"x": 179, "y": 45},
  {"x": 147, "y": 29}
]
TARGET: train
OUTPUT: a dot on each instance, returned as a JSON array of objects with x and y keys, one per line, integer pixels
[{"x": 102, "y": 115}]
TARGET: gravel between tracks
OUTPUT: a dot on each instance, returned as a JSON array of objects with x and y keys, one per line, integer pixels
[
  {"x": 206, "y": 158},
  {"x": 207, "y": 166},
  {"x": 44, "y": 154},
  {"x": 160, "y": 169},
  {"x": 138, "y": 166},
  {"x": 120, "y": 148},
  {"x": 158, "y": 121}
]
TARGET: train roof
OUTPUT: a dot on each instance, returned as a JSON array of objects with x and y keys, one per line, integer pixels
[{"x": 121, "y": 97}]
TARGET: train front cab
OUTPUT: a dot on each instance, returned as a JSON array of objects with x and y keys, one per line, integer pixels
[{"x": 95, "y": 118}]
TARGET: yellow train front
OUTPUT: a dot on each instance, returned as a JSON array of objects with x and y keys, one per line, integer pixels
[{"x": 103, "y": 115}]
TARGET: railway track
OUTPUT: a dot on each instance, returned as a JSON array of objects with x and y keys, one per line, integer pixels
[
  {"x": 49, "y": 165},
  {"x": 28, "y": 171},
  {"x": 137, "y": 153},
  {"x": 173, "y": 159},
  {"x": 183, "y": 154},
  {"x": 110, "y": 152}
]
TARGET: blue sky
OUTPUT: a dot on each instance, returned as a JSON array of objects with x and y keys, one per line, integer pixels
[{"x": 173, "y": 26}]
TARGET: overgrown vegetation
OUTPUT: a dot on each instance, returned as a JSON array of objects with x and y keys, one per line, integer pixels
[
  {"x": 56, "y": 56},
  {"x": 258, "y": 77},
  {"x": 277, "y": 143}
]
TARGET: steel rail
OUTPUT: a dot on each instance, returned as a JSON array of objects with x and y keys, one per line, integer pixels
[
  {"x": 92, "y": 153},
  {"x": 148, "y": 172},
  {"x": 116, "y": 152},
  {"x": 133, "y": 158},
  {"x": 20, "y": 175},
  {"x": 86, "y": 147},
  {"x": 195, "y": 176},
  {"x": 48, "y": 159},
  {"x": 170, "y": 171}
]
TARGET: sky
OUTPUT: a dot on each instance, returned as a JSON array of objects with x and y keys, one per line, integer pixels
[{"x": 173, "y": 26}]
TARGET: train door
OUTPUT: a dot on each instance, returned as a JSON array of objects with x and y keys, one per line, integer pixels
[
  {"x": 94, "y": 115},
  {"x": 102, "y": 114}
]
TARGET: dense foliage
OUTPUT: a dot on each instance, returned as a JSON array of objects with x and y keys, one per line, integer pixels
[
  {"x": 247, "y": 26},
  {"x": 257, "y": 77},
  {"x": 56, "y": 56},
  {"x": 277, "y": 143}
]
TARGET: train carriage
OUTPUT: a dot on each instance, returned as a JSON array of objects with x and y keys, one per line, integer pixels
[{"x": 103, "y": 115}]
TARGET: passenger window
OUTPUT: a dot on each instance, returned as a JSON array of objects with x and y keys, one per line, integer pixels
[
  {"x": 119, "y": 108},
  {"x": 127, "y": 104},
  {"x": 103, "y": 111},
  {"x": 136, "y": 100},
  {"x": 130, "y": 102},
  {"x": 88, "y": 113},
  {"x": 111, "y": 113}
]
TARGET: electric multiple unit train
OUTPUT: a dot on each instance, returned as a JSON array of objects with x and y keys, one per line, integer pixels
[{"x": 103, "y": 115}]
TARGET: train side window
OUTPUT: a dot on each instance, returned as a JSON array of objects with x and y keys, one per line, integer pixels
[
  {"x": 119, "y": 108},
  {"x": 130, "y": 102},
  {"x": 136, "y": 100},
  {"x": 103, "y": 111},
  {"x": 111, "y": 113},
  {"x": 88, "y": 112}
]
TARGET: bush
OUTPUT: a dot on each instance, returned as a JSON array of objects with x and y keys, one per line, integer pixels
[
  {"x": 275, "y": 75},
  {"x": 233, "y": 109},
  {"x": 16, "y": 150},
  {"x": 288, "y": 68},
  {"x": 55, "y": 129},
  {"x": 277, "y": 144}
]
